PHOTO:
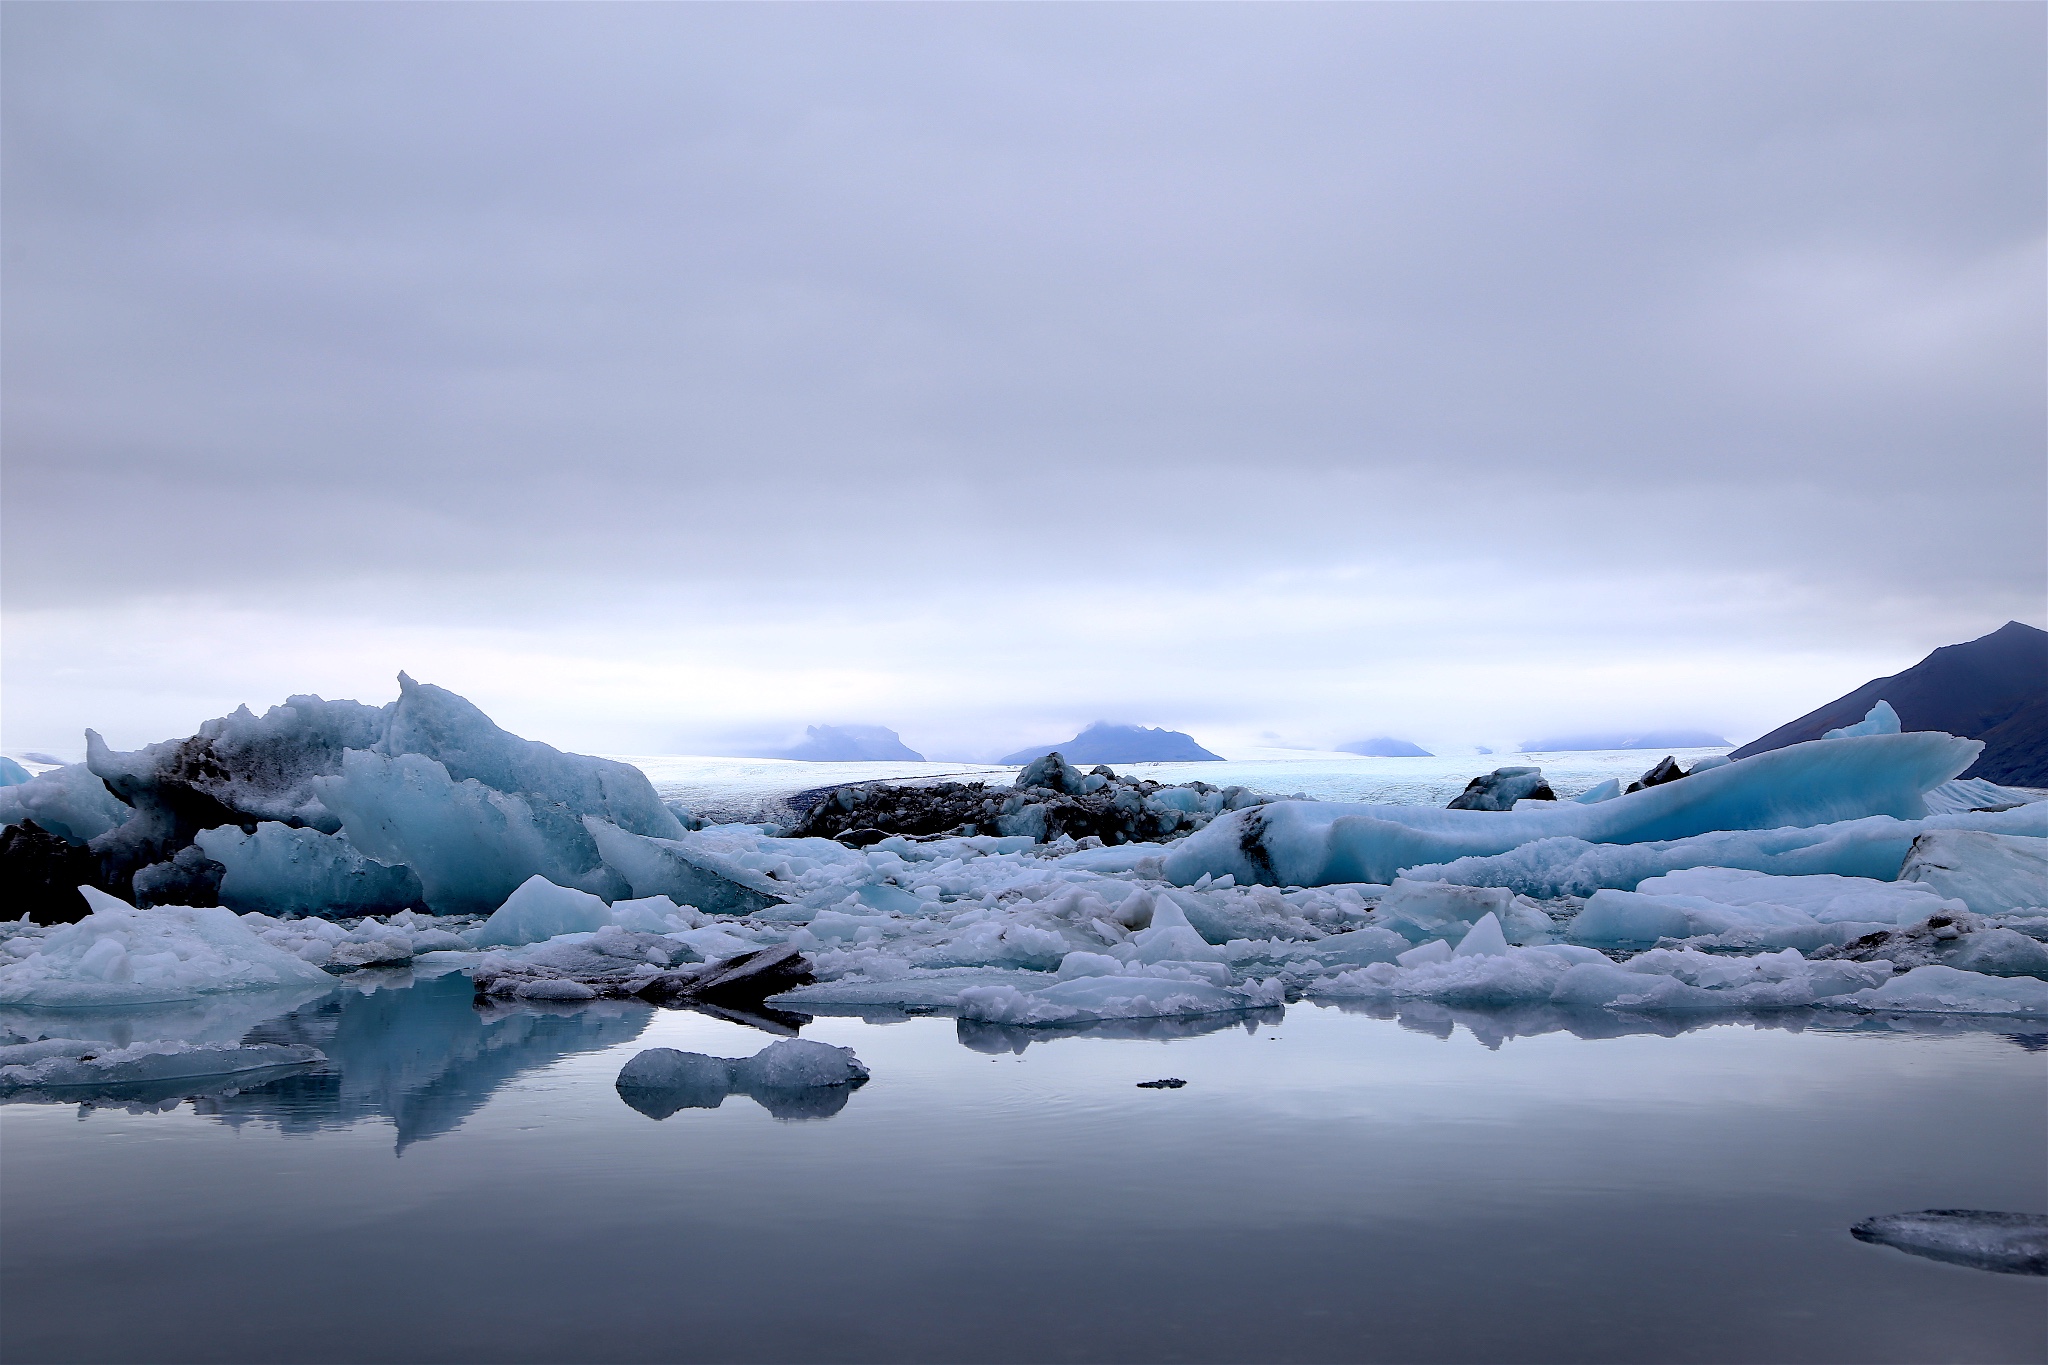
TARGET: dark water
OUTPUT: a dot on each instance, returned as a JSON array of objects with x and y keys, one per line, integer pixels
[{"x": 1326, "y": 1187}]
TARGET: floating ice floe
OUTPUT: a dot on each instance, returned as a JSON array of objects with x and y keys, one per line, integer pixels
[{"x": 793, "y": 1079}]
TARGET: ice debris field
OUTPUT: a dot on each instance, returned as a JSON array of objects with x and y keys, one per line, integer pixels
[{"x": 1852, "y": 873}]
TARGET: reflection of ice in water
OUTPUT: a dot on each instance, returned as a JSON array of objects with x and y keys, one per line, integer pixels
[
  {"x": 980, "y": 1036},
  {"x": 419, "y": 1056}
]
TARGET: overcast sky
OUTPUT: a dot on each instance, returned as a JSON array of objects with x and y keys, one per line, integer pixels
[{"x": 666, "y": 378}]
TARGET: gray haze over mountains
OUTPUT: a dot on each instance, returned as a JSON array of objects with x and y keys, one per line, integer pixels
[{"x": 666, "y": 377}]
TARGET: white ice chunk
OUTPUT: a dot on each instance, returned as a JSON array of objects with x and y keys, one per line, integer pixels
[
  {"x": 798, "y": 1063},
  {"x": 1421, "y": 910},
  {"x": 469, "y": 844},
  {"x": 1949, "y": 990},
  {"x": 1436, "y": 950},
  {"x": 69, "y": 802},
  {"x": 2000, "y": 952},
  {"x": 1880, "y": 720},
  {"x": 656, "y": 915},
  {"x": 1991, "y": 873},
  {"x": 1484, "y": 939},
  {"x": 118, "y": 955},
  {"x": 280, "y": 870},
  {"x": 539, "y": 910},
  {"x": 1606, "y": 791}
]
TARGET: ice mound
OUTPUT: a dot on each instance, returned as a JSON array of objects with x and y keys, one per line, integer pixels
[
  {"x": 785, "y": 1078},
  {"x": 1804, "y": 785},
  {"x": 2011, "y": 1243},
  {"x": 70, "y": 1064},
  {"x": 282, "y": 870},
  {"x": 119, "y": 955},
  {"x": 1991, "y": 873},
  {"x": 540, "y": 910}
]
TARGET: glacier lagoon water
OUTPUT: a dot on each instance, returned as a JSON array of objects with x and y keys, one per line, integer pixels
[{"x": 1431, "y": 1185}]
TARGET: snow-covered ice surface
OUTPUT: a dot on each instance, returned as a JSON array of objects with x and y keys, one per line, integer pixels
[{"x": 1697, "y": 1175}]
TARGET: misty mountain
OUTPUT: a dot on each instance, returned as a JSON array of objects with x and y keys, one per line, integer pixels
[
  {"x": 1385, "y": 746},
  {"x": 848, "y": 744},
  {"x": 1103, "y": 742}
]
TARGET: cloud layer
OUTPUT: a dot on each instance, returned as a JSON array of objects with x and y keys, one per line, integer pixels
[{"x": 664, "y": 374}]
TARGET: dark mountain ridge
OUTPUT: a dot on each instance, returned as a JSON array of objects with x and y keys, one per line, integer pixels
[{"x": 1994, "y": 688}]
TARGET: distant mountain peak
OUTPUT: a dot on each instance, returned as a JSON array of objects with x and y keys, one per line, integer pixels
[{"x": 1109, "y": 742}]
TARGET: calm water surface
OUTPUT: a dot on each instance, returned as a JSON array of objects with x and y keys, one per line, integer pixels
[{"x": 1328, "y": 1186}]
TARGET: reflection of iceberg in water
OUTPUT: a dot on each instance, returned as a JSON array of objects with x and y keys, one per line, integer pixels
[
  {"x": 420, "y": 1056},
  {"x": 1493, "y": 1027},
  {"x": 981, "y": 1036},
  {"x": 218, "y": 1020}
]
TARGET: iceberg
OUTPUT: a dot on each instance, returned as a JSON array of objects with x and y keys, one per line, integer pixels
[
  {"x": 785, "y": 1078},
  {"x": 427, "y": 782},
  {"x": 282, "y": 870},
  {"x": 539, "y": 910},
  {"x": 1313, "y": 843},
  {"x": 119, "y": 955},
  {"x": 469, "y": 844}
]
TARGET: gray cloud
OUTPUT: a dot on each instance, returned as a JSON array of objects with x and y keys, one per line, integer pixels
[{"x": 472, "y": 318}]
